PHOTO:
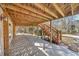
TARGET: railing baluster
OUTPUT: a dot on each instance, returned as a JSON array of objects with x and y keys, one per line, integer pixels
[{"x": 56, "y": 35}]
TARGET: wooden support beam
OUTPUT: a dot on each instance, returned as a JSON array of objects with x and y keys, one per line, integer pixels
[
  {"x": 30, "y": 24},
  {"x": 58, "y": 9},
  {"x": 42, "y": 34},
  {"x": 23, "y": 11},
  {"x": 32, "y": 29},
  {"x": 5, "y": 12},
  {"x": 32, "y": 9},
  {"x": 25, "y": 18},
  {"x": 50, "y": 31},
  {"x": 44, "y": 8},
  {"x": 72, "y": 9},
  {"x": 14, "y": 31},
  {"x": 37, "y": 31},
  {"x": 6, "y": 36}
]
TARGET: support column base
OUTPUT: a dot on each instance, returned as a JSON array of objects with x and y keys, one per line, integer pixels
[{"x": 6, "y": 52}]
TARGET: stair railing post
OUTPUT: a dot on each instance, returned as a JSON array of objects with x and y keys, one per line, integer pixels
[{"x": 50, "y": 30}]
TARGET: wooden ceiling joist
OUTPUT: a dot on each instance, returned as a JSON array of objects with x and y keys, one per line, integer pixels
[
  {"x": 32, "y": 9},
  {"x": 72, "y": 10},
  {"x": 34, "y": 14},
  {"x": 44, "y": 8},
  {"x": 23, "y": 11},
  {"x": 58, "y": 9},
  {"x": 7, "y": 14},
  {"x": 27, "y": 17}
]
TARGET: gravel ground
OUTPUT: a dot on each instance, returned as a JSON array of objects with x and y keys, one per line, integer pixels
[{"x": 28, "y": 45}]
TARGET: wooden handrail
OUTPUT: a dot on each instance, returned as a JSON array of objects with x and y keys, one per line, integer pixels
[
  {"x": 57, "y": 37},
  {"x": 52, "y": 27}
]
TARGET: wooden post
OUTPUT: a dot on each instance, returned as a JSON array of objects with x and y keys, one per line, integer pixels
[
  {"x": 72, "y": 9},
  {"x": 42, "y": 34},
  {"x": 37, "y": 31},
  {"x": 14, "y": 31},
  {"x": 33, "y": 30},
  {"x": 6, "y": 37},
  {"x": 50, "y": 31}
]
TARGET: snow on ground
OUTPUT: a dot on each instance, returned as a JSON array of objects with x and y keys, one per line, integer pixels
[{"x": 70, "y": 35}]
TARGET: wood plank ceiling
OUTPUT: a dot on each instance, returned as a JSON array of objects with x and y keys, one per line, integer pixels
[{"x": 36, "y": 13}]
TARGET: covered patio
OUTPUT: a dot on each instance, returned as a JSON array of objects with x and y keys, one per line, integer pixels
[{"x": 38, "y": 16}]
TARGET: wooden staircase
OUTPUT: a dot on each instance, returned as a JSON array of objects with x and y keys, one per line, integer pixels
[{"x": 56, "y": 34}]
